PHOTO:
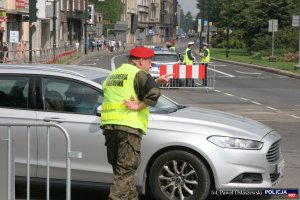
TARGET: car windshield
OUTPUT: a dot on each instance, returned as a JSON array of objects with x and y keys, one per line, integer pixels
[
  {"x": 164, "y": 104},
  {"x": 165, "y": 58}
]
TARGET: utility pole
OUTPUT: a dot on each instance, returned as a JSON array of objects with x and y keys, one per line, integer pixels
[
  {"x": 32, "y": 18},
  {"x": 70, "y": 21},
  {"x": 296, "y": 23},
  {"x": 85, "y": 26},
  {"x": 54, "y": 29},
  {"x": 208, "y": 16},
  {"x": 54, "y": 24},
  {"x": 228, "y": 29}
]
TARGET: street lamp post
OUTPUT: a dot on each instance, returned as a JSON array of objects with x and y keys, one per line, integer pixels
[
  {"x": 227, "y": 30},
  {"x": 85, "y": 26},
  {"x": 54, "y": 28},
  {"x": 70, "y": 20},
  {"x": 54, "y": 24}
]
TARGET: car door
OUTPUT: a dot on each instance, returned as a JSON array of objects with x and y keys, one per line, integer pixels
[
  {"x": 73, "y": 105},
  {"x": 17, "y": 106}
]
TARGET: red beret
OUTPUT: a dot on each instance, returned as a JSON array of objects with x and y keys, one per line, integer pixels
[{"x": 141, "y": 52}]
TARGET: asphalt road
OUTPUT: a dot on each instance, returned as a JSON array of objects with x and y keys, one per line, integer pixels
[{"x": 269, "y": 98}]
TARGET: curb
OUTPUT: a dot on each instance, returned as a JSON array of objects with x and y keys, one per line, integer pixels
[{"x": 267, "y": 69}]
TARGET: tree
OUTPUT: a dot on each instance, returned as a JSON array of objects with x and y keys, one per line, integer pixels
[
  {"x": 188, "y": 22},
  {"x": 249, "y": 20},
  {"x": 110, "y": 10}
]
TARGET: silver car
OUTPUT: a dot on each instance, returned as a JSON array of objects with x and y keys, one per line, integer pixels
[
  {"x": 186, "y": 153},
  {"x": 162, "y": 56}
]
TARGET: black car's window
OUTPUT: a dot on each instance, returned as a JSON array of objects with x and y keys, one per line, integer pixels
[
  {"x": 14, "y": 92},
  {"x": 70, "y": 96}
]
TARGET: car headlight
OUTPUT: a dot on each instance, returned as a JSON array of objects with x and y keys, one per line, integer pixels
[{"x": 235, "y": 143}]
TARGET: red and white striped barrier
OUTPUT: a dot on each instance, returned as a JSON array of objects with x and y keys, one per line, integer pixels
[{"x": 184, "y": 71}]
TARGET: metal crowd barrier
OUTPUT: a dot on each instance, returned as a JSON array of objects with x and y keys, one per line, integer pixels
[
  {"x": 43, "y": 56},
  {"x": 7, "y": 189},
  {"x": 190, "y": 76}
]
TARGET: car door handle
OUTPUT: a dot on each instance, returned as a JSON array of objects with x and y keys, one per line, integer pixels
[{"x": 54, "y": 119}]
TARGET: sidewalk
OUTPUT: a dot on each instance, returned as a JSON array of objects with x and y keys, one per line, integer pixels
[
  {"x": 101, "y": 52},
  {"x": 267, "y": 69}
]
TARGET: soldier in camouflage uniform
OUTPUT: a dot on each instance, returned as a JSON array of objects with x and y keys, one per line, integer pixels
[{"x": 128, "y": 91}]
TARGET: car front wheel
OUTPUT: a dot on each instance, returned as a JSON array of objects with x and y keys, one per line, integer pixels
[{"x": 179, "y": 175}]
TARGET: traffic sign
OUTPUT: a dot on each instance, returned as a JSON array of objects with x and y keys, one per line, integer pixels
[
  {"x": 225, "y": 31},
  {"x": 296, "y": 21},
  {"x": 14, "y": 36},
  {"x": 199, "y": 25},
  {"x": 150, "y": 32},
  {"x": 273, "y": 25}
]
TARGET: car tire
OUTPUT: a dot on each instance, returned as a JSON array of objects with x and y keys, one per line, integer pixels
[{"x": 179, "y": 175}]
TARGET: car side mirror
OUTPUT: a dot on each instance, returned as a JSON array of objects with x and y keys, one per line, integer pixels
[{"x": 98, "y": 111}]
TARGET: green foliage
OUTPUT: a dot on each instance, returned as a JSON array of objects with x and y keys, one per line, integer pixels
[
  {"x": 110, "y": 10},
  {"x": 248, "y": 19},
  {"x": 187, "y": 22}
]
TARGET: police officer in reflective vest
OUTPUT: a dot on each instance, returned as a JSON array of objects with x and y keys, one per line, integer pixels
[
  {"x": 128, "y": 91},
  {"x": 172, "y": 47},
  {"x": 188, "y": 58},
  {"x": 205, "y": 59}
]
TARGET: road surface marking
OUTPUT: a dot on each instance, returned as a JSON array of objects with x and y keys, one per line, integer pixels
[
  {"x": 271, "y": 108},
  {"x": 230, "y": 75},
  {"x": 221, "y": 65},
  {"x": 295, "y": 116},
  {"x": 257, "y": 73},
  {"x": 112, "y": 64},
  {"x": 244, "y": 99},
  {"x": 89, "y": 64},
  {"x": 231, "y": 95},
  {"x": 256, "y": 103}
]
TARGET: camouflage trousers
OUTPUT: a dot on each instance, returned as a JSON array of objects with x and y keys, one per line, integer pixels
[{"x": 123, "y": 153}]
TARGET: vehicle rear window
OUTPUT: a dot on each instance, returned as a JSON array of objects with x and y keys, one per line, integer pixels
[
  {"x": 14, "y": 92},
  {"x": 165, "y": 58}
]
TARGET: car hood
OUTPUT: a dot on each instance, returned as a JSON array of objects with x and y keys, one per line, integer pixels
[{"x": 210, "y": 122}]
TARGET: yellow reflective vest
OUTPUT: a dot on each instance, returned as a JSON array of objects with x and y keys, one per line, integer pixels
[
  {"x": 186, "y": 59},
  {"x": 206, "y": 59},
  {"x": 119, "y": 86},
  {"x": 172, "y": 49}
]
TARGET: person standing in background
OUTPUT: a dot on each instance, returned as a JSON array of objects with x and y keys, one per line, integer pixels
[
  {"x": 172, "y": 47},
  {"x": 189, "y": 58},
  {"x": 205, "y": 59}
]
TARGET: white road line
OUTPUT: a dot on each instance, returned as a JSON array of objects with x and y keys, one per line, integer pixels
[
  {"x": 244, "y": 99},
  {"x": 230, "y": 75},
  {"x": 112, "y": 63},
  {"x": 271, "y": 108},
  {"x": 231, "y": 95},
  {"x": 221, "y": 65},
  {"x": 89, "y": 64},
  {"x": 257, "y": 73},
  {"x": 256, "y": 103},
  {"x": 295, "y": 116},
  {"x": 217, "y": 91}
]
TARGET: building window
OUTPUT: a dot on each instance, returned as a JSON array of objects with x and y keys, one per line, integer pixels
[{"x": 143, "y": 2}]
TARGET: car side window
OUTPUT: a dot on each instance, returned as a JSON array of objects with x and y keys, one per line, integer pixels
[
  {"x": 14, "y": 91},
  {"x": 70, "y": 96}
]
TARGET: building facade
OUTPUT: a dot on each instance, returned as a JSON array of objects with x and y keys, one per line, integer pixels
[
  {"x": 62, "y": 22},
  {"x": 14, "y": 24},
  {"x": 150, "y": 21}
]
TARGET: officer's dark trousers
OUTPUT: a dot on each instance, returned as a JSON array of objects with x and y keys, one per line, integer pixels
[{"x": 123, "y": 153}]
